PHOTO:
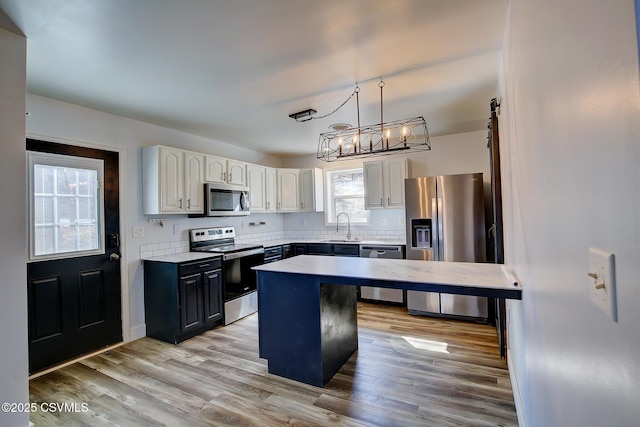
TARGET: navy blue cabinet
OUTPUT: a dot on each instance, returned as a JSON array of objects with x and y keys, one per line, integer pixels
[{"x": 182, "y": 299}]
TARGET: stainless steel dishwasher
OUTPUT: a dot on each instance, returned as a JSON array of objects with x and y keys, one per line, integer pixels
[{"x": 395, "y": 296}]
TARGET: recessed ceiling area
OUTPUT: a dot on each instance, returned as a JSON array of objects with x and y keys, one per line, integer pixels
[{"x": 234, "y": 71}]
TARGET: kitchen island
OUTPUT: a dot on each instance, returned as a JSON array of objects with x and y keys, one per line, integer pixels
[{"x": 308, "y": 310}]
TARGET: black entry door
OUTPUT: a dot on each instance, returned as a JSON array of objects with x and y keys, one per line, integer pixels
[{"x": 74, "y": 299}]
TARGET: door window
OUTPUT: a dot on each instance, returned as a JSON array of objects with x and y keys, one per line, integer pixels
[{"x": 65, "y": 206}]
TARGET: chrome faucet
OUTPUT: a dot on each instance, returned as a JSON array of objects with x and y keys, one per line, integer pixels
[{"x": 348, "y": 224}]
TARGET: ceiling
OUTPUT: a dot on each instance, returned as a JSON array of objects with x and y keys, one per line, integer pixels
[{"x": 233, "y": 71}]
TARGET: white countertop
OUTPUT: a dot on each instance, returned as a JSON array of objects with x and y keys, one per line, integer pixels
[
  {"x": 464, "y": 274},
  {"x": 194, "y": 256},
  {"x": 181, "y": 257}
]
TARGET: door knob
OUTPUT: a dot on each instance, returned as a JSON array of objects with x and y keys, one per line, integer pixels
[{"x": 114, "y": 257}]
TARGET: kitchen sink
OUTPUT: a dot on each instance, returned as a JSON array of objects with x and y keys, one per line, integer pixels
[{"x": 341, "y": 241}]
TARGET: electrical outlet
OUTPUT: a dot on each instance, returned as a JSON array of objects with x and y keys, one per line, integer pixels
[
  {"x": 384, "y": 222},
  {"x": 138, "y": 231},
  {"x": 602, "y": 283},
  {"x": 176, "y": 228}
]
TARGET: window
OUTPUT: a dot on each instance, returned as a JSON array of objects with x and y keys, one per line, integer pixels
[
  {"x": 65, "y": 214},
  {"x": 345, "y": 193}
]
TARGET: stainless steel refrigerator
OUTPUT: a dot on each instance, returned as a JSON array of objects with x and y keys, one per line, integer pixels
[{"x": 445, "y": 222}]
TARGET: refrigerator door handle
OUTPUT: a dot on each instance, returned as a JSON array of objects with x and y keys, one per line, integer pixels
[
  {"x": 434, "y": 228},
  {"x": 440, "y": 232}
]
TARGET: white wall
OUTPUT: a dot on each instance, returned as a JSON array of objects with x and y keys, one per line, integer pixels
[
  {"x": 13, "y": 285},
  {"x": 62, "y": 122},
  {"x": 570, "y": 134}
]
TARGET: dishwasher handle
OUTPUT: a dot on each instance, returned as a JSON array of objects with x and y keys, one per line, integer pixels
[{"x": 371, "y": 251}]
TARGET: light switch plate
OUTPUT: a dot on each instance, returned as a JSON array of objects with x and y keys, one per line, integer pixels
[
  {"x": 138, "y": 231},
  {"x": 602, "y": 283}
]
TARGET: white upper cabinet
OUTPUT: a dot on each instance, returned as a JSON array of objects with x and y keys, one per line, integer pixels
[
  {"x": 288, "y": 190},
  {"x": 395, "y": 172},
  {"x": 219, "y": 169},
  {"x": 194, "y": 165},
  {"x": 311, "y": 190},
  {"x": 256, "y": 181},
  {"x": 262, "y": 182},
  {"x": 172, "y": 181},
  {"x": 271, "y": 184},
  {"x": 236, "y": 172},
  {"x": 373, "y": 185},
  {"x": 216, "y": 169},
  {"x": 384, "y": 183}
]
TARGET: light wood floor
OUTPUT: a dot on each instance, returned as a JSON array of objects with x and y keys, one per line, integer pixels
[{"x": 408, "y": 371}]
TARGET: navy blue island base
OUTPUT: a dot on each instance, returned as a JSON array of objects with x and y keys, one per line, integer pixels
[
  {"x": 307, "y": 305},
  {"x": 308, "y": 329}
]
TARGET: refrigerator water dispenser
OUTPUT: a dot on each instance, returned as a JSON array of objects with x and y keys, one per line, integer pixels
[{"x": 421, "y": 233}]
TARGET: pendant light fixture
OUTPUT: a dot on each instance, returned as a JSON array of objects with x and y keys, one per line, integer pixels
[{"x": 344, "y": 142}]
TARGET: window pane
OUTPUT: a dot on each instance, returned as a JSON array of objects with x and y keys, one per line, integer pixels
[
  {"x": 354, "y": 207},
  {"x": 44, "y": 241},
  {"x": 65, "y": 207},
  {"x": 43, "y": 210},
  {"x": 346, "y": 183},
  {"x": 67, "y": 238},
  {"x": 87, "y": 237},
  {"x": 87, "y": 209},
  {"x": 86, "y": 182},
  {"x": 43, "y": 179},
  {"x": 66, "y": 210},
  {"x": 66, "y": 180}
]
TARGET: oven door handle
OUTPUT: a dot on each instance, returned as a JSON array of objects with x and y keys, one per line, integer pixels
[{"x": 235, "y": 255}]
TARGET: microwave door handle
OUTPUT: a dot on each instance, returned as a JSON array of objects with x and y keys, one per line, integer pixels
[{"x": 244, "y": 200}]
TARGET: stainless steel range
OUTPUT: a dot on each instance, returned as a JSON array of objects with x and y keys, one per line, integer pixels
[{"x": 239, "y": 281}]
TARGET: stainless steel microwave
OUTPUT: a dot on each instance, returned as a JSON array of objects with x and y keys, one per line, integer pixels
[{"x": 225, "y": 199}]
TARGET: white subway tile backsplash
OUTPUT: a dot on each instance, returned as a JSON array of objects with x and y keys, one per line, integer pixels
[{"x": 169, "y": 248}]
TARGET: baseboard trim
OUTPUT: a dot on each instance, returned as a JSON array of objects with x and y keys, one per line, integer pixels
[
  {"x": 138, "y": 332},
  {"x": 517, "y": 397}
]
